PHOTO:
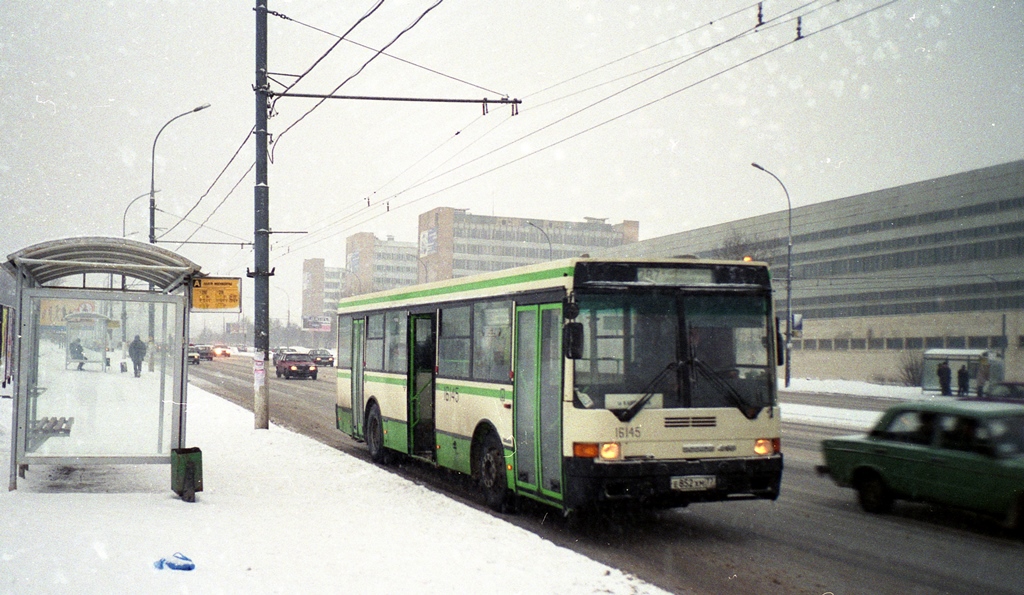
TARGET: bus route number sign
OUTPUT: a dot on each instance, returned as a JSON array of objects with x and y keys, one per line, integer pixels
[{"x": 217, "y": 294}]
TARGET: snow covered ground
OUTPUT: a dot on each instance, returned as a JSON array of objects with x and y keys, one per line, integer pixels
[{"x": 283, "y": 513}]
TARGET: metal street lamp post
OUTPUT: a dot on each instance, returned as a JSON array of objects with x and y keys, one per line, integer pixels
[
  {"x": 152, "y": 219},
  {"x": 789, "y": 274},
  {"x": 124, "y": 218},
  {"x": 152, "y": 173},
  {"x": 546, "y": 237}
]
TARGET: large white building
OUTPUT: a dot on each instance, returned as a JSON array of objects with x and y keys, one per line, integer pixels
[{"x": 933, "y": 264}]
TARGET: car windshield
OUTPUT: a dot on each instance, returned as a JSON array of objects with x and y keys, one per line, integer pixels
[
  {"x": 634, "y": 350},
  {"x": 296, "y": 357}
]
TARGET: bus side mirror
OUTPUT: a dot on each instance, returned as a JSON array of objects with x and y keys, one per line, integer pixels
[
  {"x": 780, "y": 346},
  {"x": 572, "y": 340}
]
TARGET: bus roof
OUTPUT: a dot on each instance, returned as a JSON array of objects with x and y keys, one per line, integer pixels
[{"x": 545, "y": 275}]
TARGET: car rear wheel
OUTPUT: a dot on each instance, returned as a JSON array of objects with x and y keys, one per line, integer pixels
[{"x": 872, "y": 493}]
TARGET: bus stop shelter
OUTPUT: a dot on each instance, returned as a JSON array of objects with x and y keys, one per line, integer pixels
[{"x": 79, "y": 305}]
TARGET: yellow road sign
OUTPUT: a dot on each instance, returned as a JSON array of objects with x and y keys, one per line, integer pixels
[{"x": 217, "y": 294}]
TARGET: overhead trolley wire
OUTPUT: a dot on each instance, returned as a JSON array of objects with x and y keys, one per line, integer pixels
[
  {"x": 394, "y": 57},
  {"x": 329, "y": 50},
  {"x": 352, "y": 76},
  {"x": 308, "y": 239},
  {"x": 219, "y": 205},
  {"x": 640, "y": 51},
  {"x": 212, "y": 184},
  {"x": 762, "y": 25}
]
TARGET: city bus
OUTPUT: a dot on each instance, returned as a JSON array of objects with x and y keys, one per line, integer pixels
[{"x": 578, "y": 383}]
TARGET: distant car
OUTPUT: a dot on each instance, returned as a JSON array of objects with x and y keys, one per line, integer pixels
[
  {"x": 965, "y": 454},
  {"x": 280, "y": 352},
  {"x": 205, "y": 352},
  {"x": 193, "y": 356},
  {"x": 221, "y": 351},
  {"x": 1004, "y": 391},
  {"x": 322, "y": 357},
  {"x": 291, "y": 365}
]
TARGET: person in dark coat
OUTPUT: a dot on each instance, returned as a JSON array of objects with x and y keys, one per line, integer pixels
[
  {"x": 945, "y": 379},
  {"x": 137, "y": 351},
  {"x": 963, "y": 379},
  {"x": 77, "y": 353}
]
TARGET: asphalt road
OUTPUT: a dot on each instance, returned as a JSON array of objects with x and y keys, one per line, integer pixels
[{"x": 814, "y": 539}]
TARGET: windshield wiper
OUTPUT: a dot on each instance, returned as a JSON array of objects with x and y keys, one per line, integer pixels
[
  {"x": 748, "y": 411},
  {"x": 631, "y": 411}
]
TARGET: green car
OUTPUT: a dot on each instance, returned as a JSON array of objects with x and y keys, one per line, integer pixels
[{"x": 957, "y": 453}]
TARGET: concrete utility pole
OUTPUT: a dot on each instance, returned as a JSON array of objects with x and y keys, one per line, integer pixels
[{"x": 261, "y": 198}]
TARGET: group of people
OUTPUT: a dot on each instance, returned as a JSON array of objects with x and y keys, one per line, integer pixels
[
  {"x": 963, "y": 379},
  {"x": 136, "y": 351}
]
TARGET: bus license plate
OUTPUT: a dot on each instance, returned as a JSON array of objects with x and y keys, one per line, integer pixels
[{"x": 693, "y": 483}]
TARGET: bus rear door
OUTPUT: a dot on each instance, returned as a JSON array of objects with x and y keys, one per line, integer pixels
[
  {"x": 358, "y": 363},
  {"x": 421, "y": 385}
]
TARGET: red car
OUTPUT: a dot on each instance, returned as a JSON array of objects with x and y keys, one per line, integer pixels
[{"x": 291, "y": 365}]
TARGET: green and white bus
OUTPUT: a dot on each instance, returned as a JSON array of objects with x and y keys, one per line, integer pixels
[{"x": 577, "y": 383}]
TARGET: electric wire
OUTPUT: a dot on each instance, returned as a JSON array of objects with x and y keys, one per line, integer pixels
[
  {"x": 329, "y": 50},
  {"x": 220, "y": 231},
  {"x": 219, "y": 205},
  {"x": 640, "y": 51},
  {"x": 306, "y": 240},
  {"x": 352, "y": 76},
  {"x": 400, "y": 59},
  {"x": 214, "y": 183},
  {"x": 778, "y": 21}
]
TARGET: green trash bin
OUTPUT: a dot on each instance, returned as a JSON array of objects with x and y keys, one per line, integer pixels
[{"x": 187, "y": 472}]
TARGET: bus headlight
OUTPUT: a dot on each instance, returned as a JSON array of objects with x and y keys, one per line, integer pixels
[
  {"x": 767, "y": 446},
  {"x": 608, "y": 451}
]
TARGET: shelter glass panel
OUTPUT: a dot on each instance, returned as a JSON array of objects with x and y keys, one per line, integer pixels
[{"x": 100, "y": 376}]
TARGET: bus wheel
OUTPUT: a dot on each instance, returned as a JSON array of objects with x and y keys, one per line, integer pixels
[
  {"x": 491, "y": 473},
  {"x": 375, "y": 435}
]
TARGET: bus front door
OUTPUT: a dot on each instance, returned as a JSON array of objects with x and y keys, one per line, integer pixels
[
  {"x": 358, "y": 336},
  {"x": 421, "y": 385},
  {"x": 538, "y": 400}
]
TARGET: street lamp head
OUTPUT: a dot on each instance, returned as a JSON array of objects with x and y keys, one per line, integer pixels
[
  {"x": 758, "y": 166},
  {"x": 201, "y": 107}
]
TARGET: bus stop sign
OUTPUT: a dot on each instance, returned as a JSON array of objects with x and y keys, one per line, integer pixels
[{"x": 217, "y": 294}]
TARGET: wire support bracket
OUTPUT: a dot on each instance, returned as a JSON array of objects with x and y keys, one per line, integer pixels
[{"x": 484, "y": 102}]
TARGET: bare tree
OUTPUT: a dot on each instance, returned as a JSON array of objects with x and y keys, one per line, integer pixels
[
  {"x": 738, "y": 245},
  {"x": 911, "y": 368}
]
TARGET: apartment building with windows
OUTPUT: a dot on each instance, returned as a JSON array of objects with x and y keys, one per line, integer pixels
[{"x": 457, "y": 243}]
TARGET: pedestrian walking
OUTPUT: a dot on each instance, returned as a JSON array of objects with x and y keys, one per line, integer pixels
[{"x": 137, "y": 351}]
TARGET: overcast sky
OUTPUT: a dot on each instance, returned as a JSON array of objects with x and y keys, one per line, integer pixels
[{"x": 649, "y": 110}]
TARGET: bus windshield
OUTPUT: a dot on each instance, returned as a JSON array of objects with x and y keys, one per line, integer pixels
[{"x": 669, "y": 349}]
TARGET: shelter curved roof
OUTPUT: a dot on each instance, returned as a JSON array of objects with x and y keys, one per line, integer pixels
[{"x": 48, "y": 261}]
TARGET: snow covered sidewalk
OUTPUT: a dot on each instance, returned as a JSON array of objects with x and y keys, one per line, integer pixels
[{"x": 280, "y": 513}]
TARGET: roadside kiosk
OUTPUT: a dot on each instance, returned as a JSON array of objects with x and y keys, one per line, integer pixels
[{"x": 97, "y": 293}]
